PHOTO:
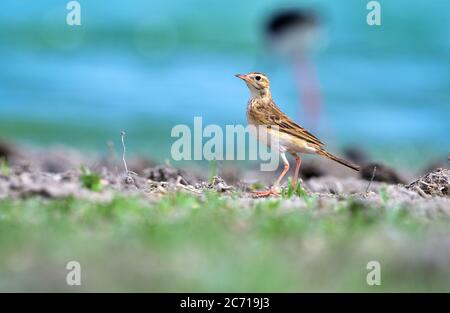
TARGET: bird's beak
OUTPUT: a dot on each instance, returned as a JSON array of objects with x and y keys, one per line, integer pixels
[{"x": 243, "y": 77}]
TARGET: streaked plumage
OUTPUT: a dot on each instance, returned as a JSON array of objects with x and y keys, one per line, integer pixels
[{"x": 292, "y": 138}]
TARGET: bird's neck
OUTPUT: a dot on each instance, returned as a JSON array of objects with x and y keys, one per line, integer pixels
[{"x": 261, "y": 94}]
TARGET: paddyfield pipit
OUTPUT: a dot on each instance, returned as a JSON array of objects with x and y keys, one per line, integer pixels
[{"x": 289, "y": 136}]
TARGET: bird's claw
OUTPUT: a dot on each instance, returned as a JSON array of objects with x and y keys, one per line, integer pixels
[{"x": 266, "y": 193}]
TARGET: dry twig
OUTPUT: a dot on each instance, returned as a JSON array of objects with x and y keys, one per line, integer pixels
[
  {"x": 129, "y": 179},
  {"x": 372, "y": 178}
]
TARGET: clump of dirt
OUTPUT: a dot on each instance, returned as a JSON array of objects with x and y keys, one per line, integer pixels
[
  {"x": 441, "y": 162},
  {"x": 217, "y": 183},
  {"x": 383, "y": 173},
  {"x": 436, "y": 183},
  {"x": 6, "y": 150},
  {"x": 312, "y": 168},
  {"x": 21, "y": 183},
  {"x": 165, "y": 173}
]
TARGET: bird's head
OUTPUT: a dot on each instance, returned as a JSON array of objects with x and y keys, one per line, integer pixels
[{"x": 258, "y": 83}]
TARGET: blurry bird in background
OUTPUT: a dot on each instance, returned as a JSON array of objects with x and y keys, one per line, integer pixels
[{"x": 295, "y": 34}]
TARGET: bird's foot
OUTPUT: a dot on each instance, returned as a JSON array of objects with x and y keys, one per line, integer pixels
[{"x": 273, "y": 191}]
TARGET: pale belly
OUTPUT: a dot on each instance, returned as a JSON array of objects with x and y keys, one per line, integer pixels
[{"x": 278, "y": 140}]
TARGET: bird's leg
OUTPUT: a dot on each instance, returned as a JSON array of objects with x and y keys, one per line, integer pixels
[
  {"x": 298, "y": 163},
  {"x": 273, "y": 190},
  {"x": 286, "y": 168}
]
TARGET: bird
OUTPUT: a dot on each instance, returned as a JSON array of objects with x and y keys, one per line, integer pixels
[{"x": 289, "y": 136}]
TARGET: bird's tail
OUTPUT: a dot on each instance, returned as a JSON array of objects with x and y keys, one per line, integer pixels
[{"x": 339, "y": 160}]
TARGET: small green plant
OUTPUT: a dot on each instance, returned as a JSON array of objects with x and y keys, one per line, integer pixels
[
  {"x": 289, "y": 191},
  {"x": 90, "y": 180},
  {"x": 257, "y": 186},
  {"x": 311, "y": 201},
  {"x": 4, "y": 168},
  {"x": 384, "y": 194},
  {"x": 299, "y": 191},
  {"x": 212, "y": 170}
]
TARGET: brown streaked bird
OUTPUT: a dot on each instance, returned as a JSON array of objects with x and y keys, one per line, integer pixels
[{"x": 290, "y": 137}]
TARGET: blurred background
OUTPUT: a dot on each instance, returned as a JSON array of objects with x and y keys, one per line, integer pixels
[{"x": 145, "y": 66}]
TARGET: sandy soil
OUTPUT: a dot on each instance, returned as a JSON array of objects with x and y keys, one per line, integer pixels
[{"x": 55, "y": 173}]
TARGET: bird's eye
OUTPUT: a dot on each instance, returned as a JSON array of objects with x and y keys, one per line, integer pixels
[{"x": 258, "y": 77}]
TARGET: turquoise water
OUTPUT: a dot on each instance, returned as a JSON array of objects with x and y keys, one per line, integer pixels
[{"x": 144, "y": 66}]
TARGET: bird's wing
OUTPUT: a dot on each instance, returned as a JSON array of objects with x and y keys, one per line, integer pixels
[{"x": 272, "y": 115}]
